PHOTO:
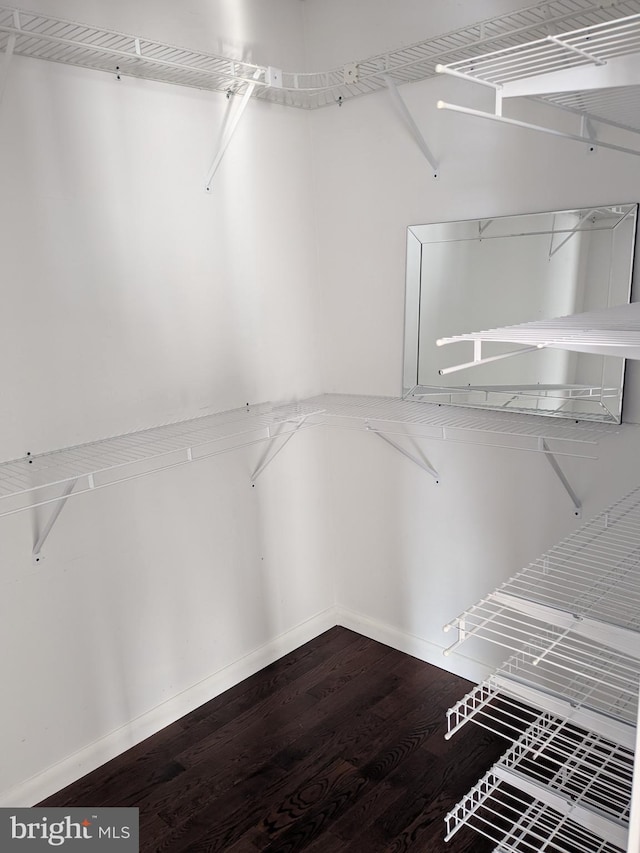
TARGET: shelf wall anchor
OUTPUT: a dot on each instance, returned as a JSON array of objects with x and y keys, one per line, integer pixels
[
  {"x": 228, "y": 135},
  {"x": 413, "y": 127},
  {"x": 420, "y": 462},
  {"x": 268, "y": 456},
  {"x": 55, "y": 512}
]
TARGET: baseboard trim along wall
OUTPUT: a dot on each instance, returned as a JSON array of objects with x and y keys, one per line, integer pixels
[
  {"x": 95, "y": 754},
  {"x": 425, "y": 650},
  {"x": 89, "y": 758}
]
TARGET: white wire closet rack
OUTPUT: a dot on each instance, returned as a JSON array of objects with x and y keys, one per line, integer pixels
[
  {"x": 576, "y": 773},
  {"x": 611, "y": 331},
  {"x": 520, "y": 821},
  {"x": 591, "y": 70},
  {"x": 27, "y": 482},
  {"x": 567, "y": 696},
  {"x": 44, "y": 37}
]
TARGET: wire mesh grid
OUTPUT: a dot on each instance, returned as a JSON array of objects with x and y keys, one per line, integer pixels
[
  {"x": 581, "y": 672},
  {"x": 517, "y": 697},
  {"x": 177, "y": 443},
  {"x": 458, "y": 423},
  {"x": 189, "y": 439},
  {"x": 519, "y": 823},
  {"x": 583, "y": 46},
  {"x": 618, "y": 106},
  {"x": 595, "y": 571},
  {"x": 579, "y": 766},
  {"x": 611, "y": 331},
  {"x": 68, "y": 42}
]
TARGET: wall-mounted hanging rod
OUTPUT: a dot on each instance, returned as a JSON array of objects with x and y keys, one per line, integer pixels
[{"x": 599, "y": 143}]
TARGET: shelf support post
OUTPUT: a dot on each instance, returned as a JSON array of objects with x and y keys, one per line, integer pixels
[
  {"x": 551, "y": 459},
  {"x": 421, "y": 463},
  {"x": 268, "y": 457},
  {"x": 46, "y": 530},
  {"x": 413, "y": 127},
  {"x": 228, "y": 135},
  {"x": 6, "y": 63}
]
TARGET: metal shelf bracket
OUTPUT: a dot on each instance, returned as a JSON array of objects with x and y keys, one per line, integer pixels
[
  {"x": 55, "y": 512},
  {"x": 269, "y": 456},
  {"x": 8, "y": 55},
  {"x": 228, "y": 134},
  {"x": 421, "y": 461},
  {"x": 413, "y": 127},
  {"x": 551, "y": 459}
]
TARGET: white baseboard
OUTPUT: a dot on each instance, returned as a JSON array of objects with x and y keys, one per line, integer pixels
[
  {"x": 89, "y": 758},
  {"x": 458, "y": 664}
]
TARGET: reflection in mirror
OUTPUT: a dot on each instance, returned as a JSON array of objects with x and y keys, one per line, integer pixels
[{"x": 482, "y": 274}]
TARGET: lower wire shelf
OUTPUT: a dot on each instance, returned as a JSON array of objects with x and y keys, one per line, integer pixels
[
  {"x": 512, "y": 698},
  {"x": 519, "y": 822},
  {"x": 567, "y": 697}
]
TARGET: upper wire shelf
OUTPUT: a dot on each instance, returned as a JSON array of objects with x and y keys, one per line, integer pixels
[
  {"x": 594, "y": 572},
  {"x": 451, "y": 423},
  {"x": 44, "y": 37},
  {"x": 594, "y": 43},
  {"x": 23, "y": 482},
  {"x": 611, "y": 331}
]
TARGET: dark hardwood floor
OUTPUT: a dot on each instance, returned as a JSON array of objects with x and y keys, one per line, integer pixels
[{"x": 338, "y": 746}]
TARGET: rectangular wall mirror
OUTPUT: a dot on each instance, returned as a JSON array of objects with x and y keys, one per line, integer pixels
[{"x": 480, "y": 274}]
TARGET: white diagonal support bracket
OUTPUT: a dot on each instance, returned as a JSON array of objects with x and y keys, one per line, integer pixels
[
  {"x": 46, "y": 530},
  {"x": 269, "y": 456},
  {"x": 228, "y": 135},
  {"x": 421, "y": 463},
  {"x": 6, "y": 62},
  {"x": 551, "y": 459},
  {"x": 413, "y": 127}
]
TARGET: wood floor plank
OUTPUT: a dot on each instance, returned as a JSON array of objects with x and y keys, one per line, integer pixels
[{"x": 336, "y": 748}]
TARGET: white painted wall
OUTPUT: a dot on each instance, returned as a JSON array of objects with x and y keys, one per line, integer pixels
[
  {"x": 129, "y": 298},
  {"x": 410, "y": 554}
]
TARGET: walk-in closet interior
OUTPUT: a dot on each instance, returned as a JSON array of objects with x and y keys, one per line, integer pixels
[{"x": 318, "y": 313}]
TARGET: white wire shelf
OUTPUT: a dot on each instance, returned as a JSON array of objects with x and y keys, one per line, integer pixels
[
  {"x": 513, "y": 698},
  {"x": 594, "y": 572},
  {"x": 618, "y": 106},
  {"x": 24, "y": 482},
  {"x": 610, "y": 331},
  {"x": 579, "y": 774},
  {"x": 568, "y": 696},
  {"x": 583, "y": 46},
  {"x": 45, "y": 37},
  {"x": 591, "y": 685},
  {"x": 521, "y": 822},
  {"x": 450, "y": 423},
  {"x": 580, "y": 767}
]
